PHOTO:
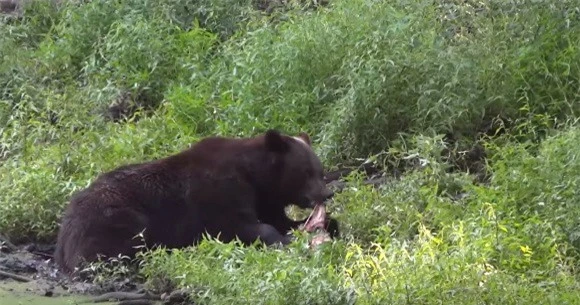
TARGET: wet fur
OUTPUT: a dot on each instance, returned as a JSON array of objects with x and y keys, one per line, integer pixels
[{"x": 237, "y": 187}]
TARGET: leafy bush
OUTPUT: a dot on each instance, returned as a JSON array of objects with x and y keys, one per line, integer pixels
[
  {"x": 230, "y": 274},
  {"x": 36, "y": 186},
  {"x": 354, "y": 74},
  {"x": 541, "y": 182},
  {"x": 105, "y": 49},
  {"x": 362, "y": 72}
]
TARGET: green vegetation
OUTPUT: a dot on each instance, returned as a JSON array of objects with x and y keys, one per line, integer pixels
[{"x": 411, "y": 84}]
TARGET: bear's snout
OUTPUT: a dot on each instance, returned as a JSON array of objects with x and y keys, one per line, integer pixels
[
  {"x": 323, "y": 195},
  {"x": 329, "y": 194}
]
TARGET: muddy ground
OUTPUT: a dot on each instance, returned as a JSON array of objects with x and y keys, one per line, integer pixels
[{"x": 29, "y": 276}]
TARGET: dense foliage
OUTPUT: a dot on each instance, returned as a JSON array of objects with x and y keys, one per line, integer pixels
[{"x": 404, "y": 82}]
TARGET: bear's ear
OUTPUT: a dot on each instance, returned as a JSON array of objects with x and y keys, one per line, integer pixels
[
  {"x": 275, "y": 141},
  {"x": 304, "y": 136}
]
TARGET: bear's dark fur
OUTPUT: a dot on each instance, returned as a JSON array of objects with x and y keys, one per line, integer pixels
[{"x": 234, "y": 187}]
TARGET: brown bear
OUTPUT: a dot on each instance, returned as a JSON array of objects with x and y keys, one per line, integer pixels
[{"x": 225, "y": 187}]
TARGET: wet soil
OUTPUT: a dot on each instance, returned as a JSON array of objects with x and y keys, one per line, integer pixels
[{"x": 29, "y": 276}]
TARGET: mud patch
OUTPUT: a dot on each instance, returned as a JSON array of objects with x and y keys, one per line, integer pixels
[
  {"x": 39, "y": 293},
  {"x": 28, "y": 276}
]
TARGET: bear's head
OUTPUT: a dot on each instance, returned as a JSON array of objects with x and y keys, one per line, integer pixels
[{"x": 299, "y": 175}]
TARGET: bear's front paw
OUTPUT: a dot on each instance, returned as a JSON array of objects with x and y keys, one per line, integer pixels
[{"x": 332, "y": 227}]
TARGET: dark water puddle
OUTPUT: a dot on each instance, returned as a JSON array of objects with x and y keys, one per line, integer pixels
[{"x": 46, "y": 285}]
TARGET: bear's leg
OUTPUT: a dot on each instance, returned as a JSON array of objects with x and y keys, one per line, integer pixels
[
  {"x": 278, "y": 219},
  {"x": 79, "y": 249},
  {"x": 285, "y": 224},
  {"x": 106, "y": 232},
  {"x": 266, "y": 233},
  {"x": 332, "y": 227}
]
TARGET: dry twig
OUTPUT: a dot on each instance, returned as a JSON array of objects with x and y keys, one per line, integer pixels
[{"x": 16, "y": 277}]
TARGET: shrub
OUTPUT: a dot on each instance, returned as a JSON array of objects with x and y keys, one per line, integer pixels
[
  {"x": 358, "y": 74},
  {"x": 38, "y": 184},
  {"x": 220, "y": 273},
  {"x": 539, "y": 182}
]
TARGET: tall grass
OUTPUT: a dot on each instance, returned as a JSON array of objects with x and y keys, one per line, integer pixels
[
  {"x": 355, "y": 73},
  {"x": 363, "y": 71}
]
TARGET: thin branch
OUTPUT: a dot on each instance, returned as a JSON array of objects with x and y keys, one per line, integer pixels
[{"x": 14, "y": 276}]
